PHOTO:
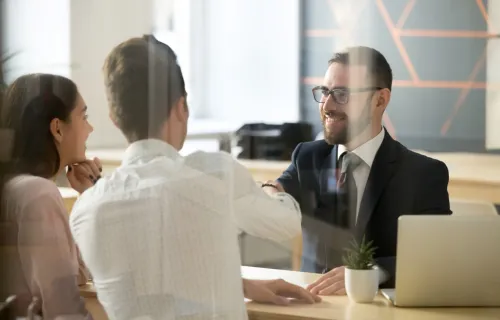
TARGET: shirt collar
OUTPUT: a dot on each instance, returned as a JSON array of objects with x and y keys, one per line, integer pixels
[
  {"x": 367, "y": 150},
  {"x": 148, "y": 149}
]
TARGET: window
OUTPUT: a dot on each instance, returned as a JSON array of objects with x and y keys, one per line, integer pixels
[
  {"x": 177, "y": 26},
  {"x": 37, "y": 33}
]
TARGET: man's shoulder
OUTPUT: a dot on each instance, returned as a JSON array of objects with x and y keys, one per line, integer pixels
[
  {"x": 418, "y": 160},
  {"x": 100, "y": 203},
  {"x": 306, "y": 149},
  {"x": 88, "y": 199},
  {"x": 110, "y": 188},
  {"x": 202, "y": 155},
  {"x": 28, "y": 187},
  {"x": 203, "y": 161}
]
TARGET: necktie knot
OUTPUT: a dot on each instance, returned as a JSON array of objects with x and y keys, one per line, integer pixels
[{"x": 349, "y": 161}]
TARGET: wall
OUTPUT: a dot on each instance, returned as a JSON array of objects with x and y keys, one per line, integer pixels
[
  {"x": 72, "y": 38},
  {"x": 37, "y": 33},
  {"x": 493, "y": 78},
  {"x": 243, "y": 60},
  {"x": 236, "y": 69},
  {"x": 96, "y": 27},
  {"x": 252, "y": 60},
  {"x": 437, "y": 53}
]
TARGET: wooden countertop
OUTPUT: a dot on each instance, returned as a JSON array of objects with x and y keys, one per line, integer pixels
[{"x": 339, "y": 307}]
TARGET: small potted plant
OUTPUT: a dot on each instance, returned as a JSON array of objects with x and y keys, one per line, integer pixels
[{"x": 361, "y": 276}]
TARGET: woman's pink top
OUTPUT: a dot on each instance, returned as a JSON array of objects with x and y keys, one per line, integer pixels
[{"x": 42, "y": 259}]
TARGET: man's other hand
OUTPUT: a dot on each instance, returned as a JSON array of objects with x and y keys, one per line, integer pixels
[
  {"x": 272, "y": 190},
  {"x": 276, "y": 292},
  {"x": 331, "y": 283}
]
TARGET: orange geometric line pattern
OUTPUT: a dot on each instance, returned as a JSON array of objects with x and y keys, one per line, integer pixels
[
  {"x": 413, "y": 33},
  {"x": 397, "y": 31},
  {"x": 464, "y": 93},
  {"x": 397, "y": 40},
  {"x": 391, "y": 129},
  {"x": 445, "y": 34},
  {"x": 346, "y": 33},
  {"x": 481, "y": 7},
  {"x": 314, "y": 81},
  {"x": 406, "y": 12},
  {"x": 477, "y": 67}
]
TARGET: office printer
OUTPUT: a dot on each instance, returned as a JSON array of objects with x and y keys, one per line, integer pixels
[{"x": 271, "y": 141}]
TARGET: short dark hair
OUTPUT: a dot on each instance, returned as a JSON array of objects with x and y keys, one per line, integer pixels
[
  {"x": 378, "y": 67},
  {"x": 143, "y": 82},
  {"x": 31, "y": 102}
]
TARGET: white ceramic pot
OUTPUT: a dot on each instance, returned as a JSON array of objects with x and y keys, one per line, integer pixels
[{"x": 361, "y": 285}]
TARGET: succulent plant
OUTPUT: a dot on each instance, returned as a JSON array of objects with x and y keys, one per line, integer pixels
[{"x": 360, "y": 255}]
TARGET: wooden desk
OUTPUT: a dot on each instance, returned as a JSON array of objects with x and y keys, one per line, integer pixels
[
  {"x": 472, "y": 177},
  {"x": 333, "y": 307}
]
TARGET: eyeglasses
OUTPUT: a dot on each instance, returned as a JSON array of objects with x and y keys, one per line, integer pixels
[{"x": 339, "y": 95}]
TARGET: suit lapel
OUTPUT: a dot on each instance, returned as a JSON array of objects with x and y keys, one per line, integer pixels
[{"x": 381, "y": 172}]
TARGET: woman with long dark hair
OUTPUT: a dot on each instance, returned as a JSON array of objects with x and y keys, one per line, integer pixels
[{"x": 44, "y": 128}]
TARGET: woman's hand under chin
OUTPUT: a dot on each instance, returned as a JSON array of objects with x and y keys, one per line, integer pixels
[{"x": 84, "y": 175}]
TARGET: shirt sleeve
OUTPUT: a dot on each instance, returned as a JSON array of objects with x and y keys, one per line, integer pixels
[
  {"x": 277, "y": 218},
  {"x": 49, "y": 257},
  {"x": 83, "y": 272}
]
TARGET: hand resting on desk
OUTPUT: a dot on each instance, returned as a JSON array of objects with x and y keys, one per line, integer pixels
[
  {"x": 276, "y": 292},
  {"x": 331, "y": 283}
]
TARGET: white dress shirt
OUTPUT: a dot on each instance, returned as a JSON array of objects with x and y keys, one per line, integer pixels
[
  {"x": 367, "y": 152},
  {"x": 160, "y": 234}
]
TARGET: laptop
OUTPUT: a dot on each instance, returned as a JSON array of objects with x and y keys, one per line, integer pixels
[{"x": 447, "y": 261}]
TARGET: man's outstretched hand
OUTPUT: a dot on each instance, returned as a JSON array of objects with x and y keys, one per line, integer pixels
[
  {"x": 276, "y": 292},
  {"x": 331, "y": 283}
]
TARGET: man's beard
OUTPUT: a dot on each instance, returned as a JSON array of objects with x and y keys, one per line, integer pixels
[{"x": 351, "y": 130}]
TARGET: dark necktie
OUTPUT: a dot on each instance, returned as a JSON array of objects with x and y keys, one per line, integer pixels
[
  {"x": 347, "y": 191},
  {"x": 345, "y": 214}
]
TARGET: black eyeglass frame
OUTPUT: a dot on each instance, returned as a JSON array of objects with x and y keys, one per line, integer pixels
[{"x": 344, "y": 90}]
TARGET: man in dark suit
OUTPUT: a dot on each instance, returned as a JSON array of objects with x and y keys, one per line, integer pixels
[{"x": 358, "y": 180}]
